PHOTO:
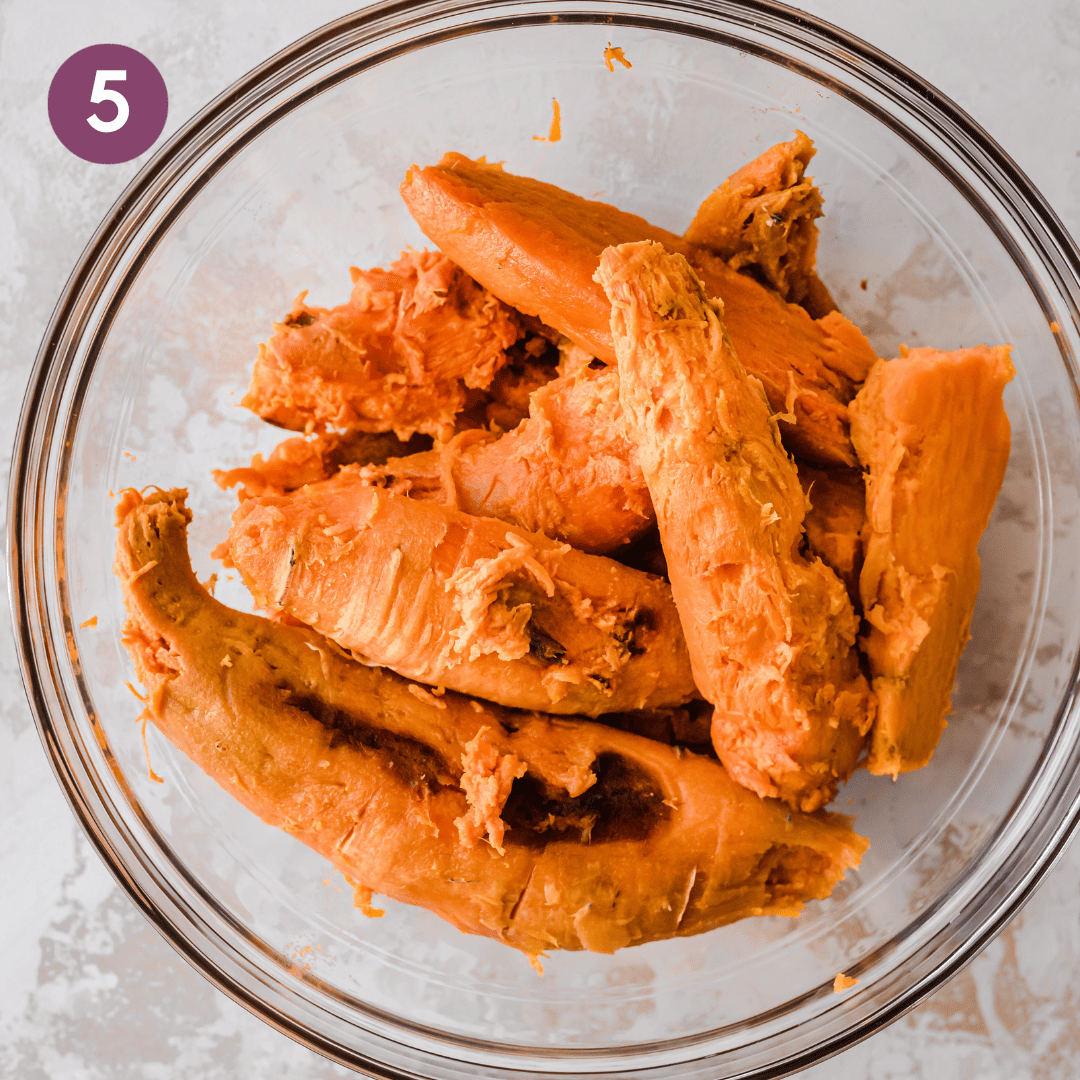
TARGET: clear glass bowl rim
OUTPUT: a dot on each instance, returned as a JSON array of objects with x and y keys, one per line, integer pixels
[{"x": 51, "y": 387}]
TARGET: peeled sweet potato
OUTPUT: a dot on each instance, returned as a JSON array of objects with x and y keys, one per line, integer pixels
[
  {"x": 464, "y": 602},
  {"x": 523, "y": 828},
  {"x": 537, "y": 247},
  {"x": 771, "y": 634},
  {"x": 933, "y": 436},
  {"x": 762, "y": 219},
  {"x": 399, "y": 356},
  {"x": 834, "y": 522},
  {"x": 299, "y": 461},
  {"x": 566, "y": 471}
]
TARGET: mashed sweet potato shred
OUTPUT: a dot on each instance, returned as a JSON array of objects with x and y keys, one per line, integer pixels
[
  {"x": 395, "y": 788},
  {"x": 771, "y": 634}
]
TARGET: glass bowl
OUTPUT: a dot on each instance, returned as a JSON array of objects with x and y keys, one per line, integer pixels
[{"x": 932, "y": 236}]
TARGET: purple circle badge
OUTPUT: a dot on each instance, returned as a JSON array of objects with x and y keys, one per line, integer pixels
[{"x": 108, "y": 104}]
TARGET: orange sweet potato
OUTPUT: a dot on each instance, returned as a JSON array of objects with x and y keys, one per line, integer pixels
[
  {"x": 396, "y": 786},
  {"x": 762, "y": 219},
  {"x": 299, "y": 461},
  {"x": 537, "y": 247},
  {"x": 465, "y": 602},
  {"x": 308, "y": 459},
  {"x": 932, "y": 433},
  {"x": 835, "y": 520},
  {"x": 534, "y": 245},
  {"x": 567, "y": 471},
  {"x": 771, "y": 634},
  {"x": 399, "y": 356}
]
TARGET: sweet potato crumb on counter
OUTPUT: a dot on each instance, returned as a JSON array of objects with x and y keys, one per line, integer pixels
[
  {"x": 555, "y": 131},
  {"x": 843, "y": 982},
  {"x": 613, "y": 54},
  {"x": 92, "y": 621}
]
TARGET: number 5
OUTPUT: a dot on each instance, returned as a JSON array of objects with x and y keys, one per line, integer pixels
[{"x": 102, "y": 93}]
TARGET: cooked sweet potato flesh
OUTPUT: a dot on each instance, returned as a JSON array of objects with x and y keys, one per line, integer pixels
[
  {"x": 481, "y": 426},
  {"x": 299, "y": 460},
  {"x": 763, "y": 219},
  {"x": 835, "y": 518},
  {"x": 566, "y": 471},
  {"x": 933, "y": 436},
  {"x": 399, "y": 356},
  {"x": 455, "y": 600},
  {"x": 537, "y": 247},
  {"x": 771, "y": 634},
  {"x": 412, "y": 795}
]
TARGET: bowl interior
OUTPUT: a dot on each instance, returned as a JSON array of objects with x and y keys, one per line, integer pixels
[{"x": 910, "y": 258}]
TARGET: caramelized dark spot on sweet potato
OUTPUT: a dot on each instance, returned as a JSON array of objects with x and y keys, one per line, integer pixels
[
  {"x": 366, "y": 448},
  {"x": 625, "y": 803},
  {"x": 632, "y": 633},
  {"x": 794, "y": 872},
  {"x": 644, "y": 624},
  {"x": 420, "y": 765},
  {"x": 543, "y": 646}
]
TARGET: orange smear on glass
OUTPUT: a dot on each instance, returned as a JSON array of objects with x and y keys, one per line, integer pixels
[
  {"x": 555, "y": 131},
  {"x": 146, "y": 750},
  {"x": 613, "y": 53}
]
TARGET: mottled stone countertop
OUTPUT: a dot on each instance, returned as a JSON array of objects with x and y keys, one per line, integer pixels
[{"x": 89, "y": 989}]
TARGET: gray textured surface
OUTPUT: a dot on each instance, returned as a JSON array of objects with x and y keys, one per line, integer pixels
[{"x": 89, "y": 989}]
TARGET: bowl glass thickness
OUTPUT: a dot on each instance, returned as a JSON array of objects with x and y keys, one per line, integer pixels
[{"x": 931, "y": 237}]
